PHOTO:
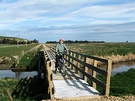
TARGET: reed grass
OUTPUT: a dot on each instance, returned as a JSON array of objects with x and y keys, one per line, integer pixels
[{"x": 117, "y": 52}]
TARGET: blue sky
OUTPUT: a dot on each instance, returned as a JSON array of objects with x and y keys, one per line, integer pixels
[{"x": 49, "y": 20}]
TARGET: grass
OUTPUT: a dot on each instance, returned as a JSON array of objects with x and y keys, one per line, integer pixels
[
  {"x": 27, "y": 58},
  {"x": 121, "y": 84},
  {"x": 14, "y": 50},
  {"x": 104, "y": 49},
  {"x": 13, "y": 53},
  {"x": 7, "y": 83},
  {"x": 11, "y": 38}
]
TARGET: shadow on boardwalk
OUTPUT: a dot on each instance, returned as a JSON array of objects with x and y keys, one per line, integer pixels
[{"x": 78, "y": 82}]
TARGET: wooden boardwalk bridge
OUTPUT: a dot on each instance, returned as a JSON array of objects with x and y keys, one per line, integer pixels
[{"x": 81, "y": 69}]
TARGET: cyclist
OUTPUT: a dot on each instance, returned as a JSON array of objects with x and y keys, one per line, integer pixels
[{"x": 60, "y": 49}]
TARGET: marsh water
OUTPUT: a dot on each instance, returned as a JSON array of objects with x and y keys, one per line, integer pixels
[
  {"x": 116, "y": 68},
  {"x": 11, "y": 74},
  {"x": 122, "y": 67}
]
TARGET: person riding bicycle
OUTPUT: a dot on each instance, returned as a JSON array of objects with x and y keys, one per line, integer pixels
[{"x": 60, "y": 49}]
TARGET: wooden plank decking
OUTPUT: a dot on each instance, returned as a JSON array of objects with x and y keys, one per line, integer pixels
[{"x": 71, "y": 85}]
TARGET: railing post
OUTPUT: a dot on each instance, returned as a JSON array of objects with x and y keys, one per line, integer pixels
[
  {"x": 71, "y": 60},
  {"x": 94, "y": 74},
  {"x": 109, "y": 67},
  {"x": 66, "y": 57},
  {"x": 74, "y": 55},
  {"x": 85, "y": 68},
  {"x": 78, "y": 64},
  {"x": 50, "y": 80}
]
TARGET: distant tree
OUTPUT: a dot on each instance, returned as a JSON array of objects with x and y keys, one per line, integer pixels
[
  {"x": 51, "y": 42},
  {"x": 77, "y": 41},
  {"x": 34, "y": 41}
]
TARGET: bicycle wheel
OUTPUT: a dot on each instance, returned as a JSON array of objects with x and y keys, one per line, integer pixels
[{"x": 64, "y": 70}]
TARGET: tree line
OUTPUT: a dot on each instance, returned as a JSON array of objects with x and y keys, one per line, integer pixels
[
  {"x": 15, "y": 41},
  {"x": 77, "y": 41}
]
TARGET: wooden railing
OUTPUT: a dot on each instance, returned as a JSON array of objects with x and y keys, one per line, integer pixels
[
  {"x": 87, "y": 67},
  {"x": 49, "y": 75},
  {"x": 80, "y": 63}
]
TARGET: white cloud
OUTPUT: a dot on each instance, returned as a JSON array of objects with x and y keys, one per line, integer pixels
[
  {"x": 106, "y": 14},
  {"x": 76, "y": 18}
]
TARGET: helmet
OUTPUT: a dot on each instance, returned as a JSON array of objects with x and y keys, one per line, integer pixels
[{"x": 61, "y": 39}]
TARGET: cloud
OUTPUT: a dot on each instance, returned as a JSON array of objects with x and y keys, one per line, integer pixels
[
  {"x": 108, "y": 33},
  {"x": 72, "y": 19},
  {"x": 106, "y": 14}
]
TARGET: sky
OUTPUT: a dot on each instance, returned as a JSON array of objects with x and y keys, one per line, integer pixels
[{"x": 50, "y": 20}]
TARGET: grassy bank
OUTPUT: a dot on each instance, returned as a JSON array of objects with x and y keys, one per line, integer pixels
[{"x": 121, "y": 84}]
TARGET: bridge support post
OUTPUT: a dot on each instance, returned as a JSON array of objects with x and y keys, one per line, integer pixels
[{"x": 39, "y": 67}]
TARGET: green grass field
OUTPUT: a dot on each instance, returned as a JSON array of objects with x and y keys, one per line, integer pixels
[
  {"x": 10, "y": 54},
  {"x": 104, "y": 49},
  {"x": 10, "y": 50}
]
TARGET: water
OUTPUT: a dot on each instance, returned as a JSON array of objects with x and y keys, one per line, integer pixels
[
  {"x": 117, "y": 68},
  {"x": 122, "y": 67},
  {"x": 9, "y": 73}
]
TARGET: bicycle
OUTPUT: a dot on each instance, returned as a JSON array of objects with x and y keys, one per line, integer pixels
[{"x": 61, "y": 65}]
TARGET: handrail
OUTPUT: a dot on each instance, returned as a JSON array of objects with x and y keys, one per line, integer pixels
[
  {"x": 101, "y": 71},
  {"x": 88, "y": 56},
  {"x": 72, "y": 56},
  {"x": 49, "y": 75}
]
